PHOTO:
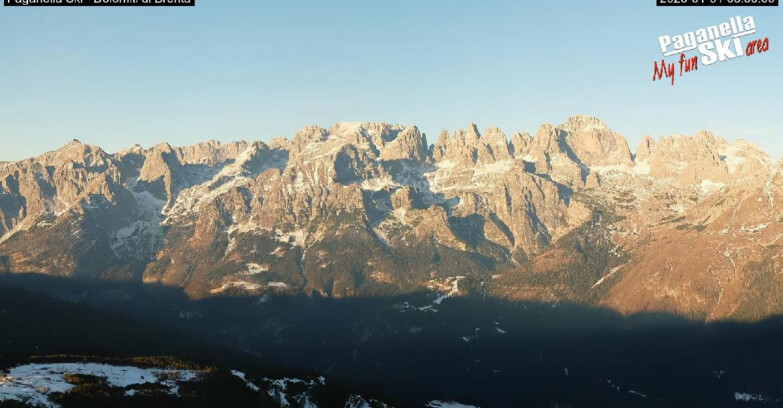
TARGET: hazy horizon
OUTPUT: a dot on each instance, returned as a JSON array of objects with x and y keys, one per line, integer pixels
[{"x": 431, "y": 137}]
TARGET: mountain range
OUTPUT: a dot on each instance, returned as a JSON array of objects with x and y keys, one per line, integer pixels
[{"x": 685, "y": 224}]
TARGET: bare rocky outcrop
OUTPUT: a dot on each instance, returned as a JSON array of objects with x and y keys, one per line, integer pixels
[
  {"x": 594, "y": 144},
  {"x": 371, "y": 208}
]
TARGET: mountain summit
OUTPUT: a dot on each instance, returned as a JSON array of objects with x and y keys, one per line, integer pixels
[{"x": 689, "y": 224}]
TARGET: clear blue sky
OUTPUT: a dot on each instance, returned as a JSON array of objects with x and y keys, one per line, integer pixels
[{"x": 254, "y": 70}]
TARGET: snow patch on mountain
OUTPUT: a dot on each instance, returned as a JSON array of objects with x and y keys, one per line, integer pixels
[
  {"x": 502, "y": 166},
  {"x": 139, "y": 239},
  {"x": 377, "y": 184},
  {"x": 254, "y": 269},
  {"x": 709, "y": 186},
  {"x": 754, "y": 228},
  {"x": 248, "y": 286},
  {"x": 447, "y": 288},
  {"x": 296, "y": 237},
  {"x": 607, "y": 276}
]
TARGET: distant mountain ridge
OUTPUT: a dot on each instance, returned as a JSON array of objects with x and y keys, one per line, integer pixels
[{"x": 688, "y": 224}]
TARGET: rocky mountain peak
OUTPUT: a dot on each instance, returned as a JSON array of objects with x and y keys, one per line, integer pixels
[
  {"x": 409, "y": 144},
  {"x": 585, "y": 123},
  {"x": 520, "y": 144},
  {"x": 162, "y": 147},
  {"x": 645, "y": 148},
  {"x": 594, "y": 144},
  {"x": 496, "y": 144},
  {"x": 462, "y": 147},
  {"x": 547, "y": 139},
  {"x": 74, "y": 152},
  {"x": 686, "y": 159},
  {"x": 135, "y": 149},
  {"x": 363, "y": 206},
  {"x": 311, "y": 133},
  {"x": 472, "y": 134}
]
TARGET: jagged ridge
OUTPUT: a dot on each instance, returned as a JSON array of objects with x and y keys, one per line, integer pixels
[{"x": 372, "y": 209}]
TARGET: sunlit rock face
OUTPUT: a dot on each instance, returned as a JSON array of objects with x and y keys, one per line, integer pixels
[{"x": 569, "y": 213}]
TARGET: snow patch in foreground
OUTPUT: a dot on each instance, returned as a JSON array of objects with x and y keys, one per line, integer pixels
[
  {"x": 449, "y": 404},
  {"x": 743, "y": 396},
  {"x": 33, "y": 383},
  {"x": 247, "y": 382}
]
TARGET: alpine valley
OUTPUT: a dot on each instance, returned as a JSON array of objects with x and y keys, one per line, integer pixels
[{"x": 368, "y": 255}]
